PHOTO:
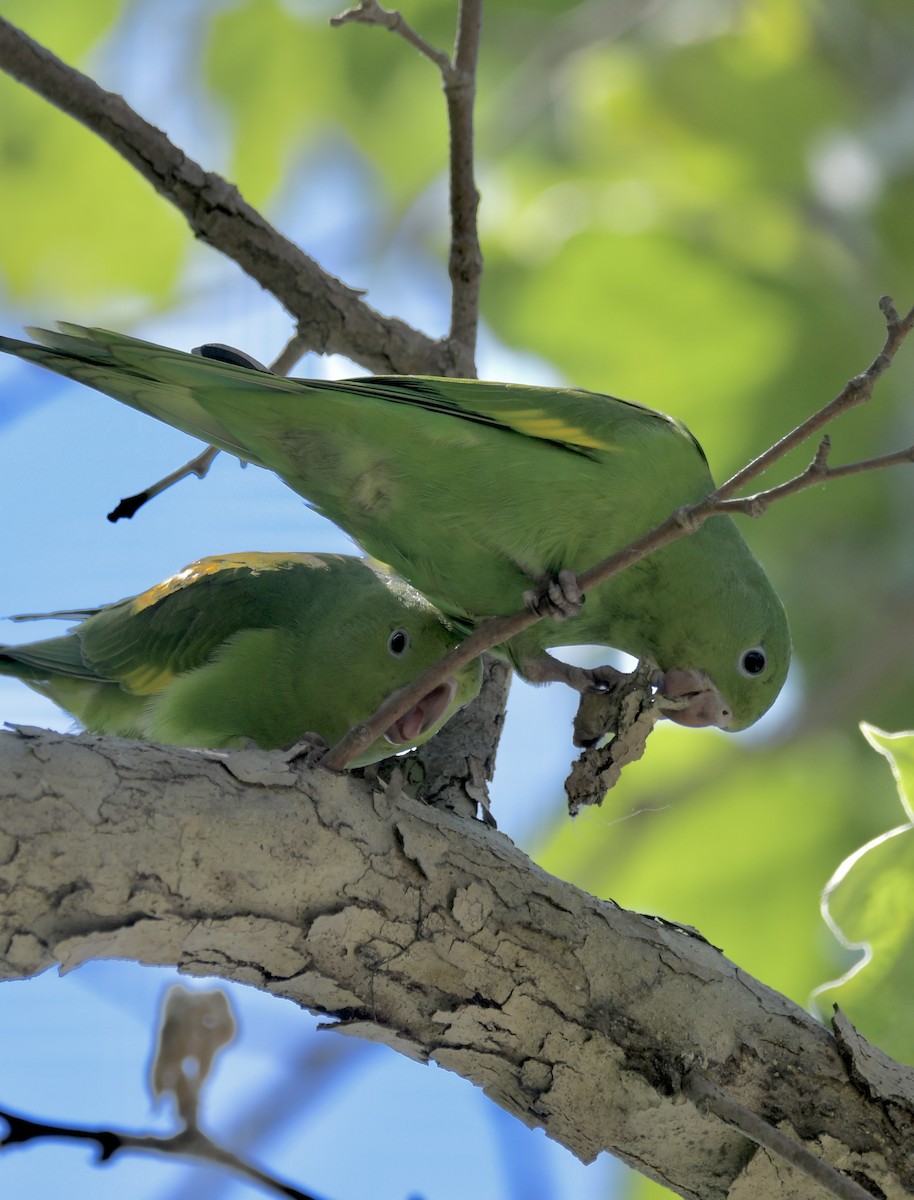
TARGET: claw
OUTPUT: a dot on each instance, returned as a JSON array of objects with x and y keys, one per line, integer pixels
[
  {"x": 546, "y": 669},
  {"x": 560, "y": 598}
]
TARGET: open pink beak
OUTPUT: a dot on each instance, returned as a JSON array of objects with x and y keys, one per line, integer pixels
[
  {"x": 422, "y": 716},
  {"x": 706, "y": 705}
]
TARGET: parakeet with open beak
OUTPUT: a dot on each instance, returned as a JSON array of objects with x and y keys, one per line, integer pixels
[{"x": 251, "y": 648}]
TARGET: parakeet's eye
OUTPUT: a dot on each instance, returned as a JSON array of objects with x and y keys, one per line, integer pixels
[
  {"x": 398, "y": 643},
  {"x": 753, "y": 662}
]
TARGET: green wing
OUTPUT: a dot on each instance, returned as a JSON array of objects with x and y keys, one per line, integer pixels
[
  {"x": 191, "y": 390},
  {"x": 40, "y": 660},
  {"x": 145, "y": 641},
  {"x": 571, "y": 418},
  {"x": 178, "y": 625},
  {"x": 151, "y": 378}
]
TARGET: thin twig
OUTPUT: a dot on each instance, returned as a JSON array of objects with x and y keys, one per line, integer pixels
[
  {"x": 709, "y": 1098},
  {"x": 459, "y": 81},
  {"x": 465, "y": 257},
  {"x": 683, "y": 521},
  {"x": 856, "y": 391},
  {"x": 289, "y": 355},
  {"x": 332, "y": 317},
  {"x": 369, "y": 12},
  {"x": 200, "y": 465},
  {"x": 189, "y": 1143}
]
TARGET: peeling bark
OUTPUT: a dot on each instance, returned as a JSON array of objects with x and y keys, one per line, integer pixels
[{"x": 437, "y": 936}]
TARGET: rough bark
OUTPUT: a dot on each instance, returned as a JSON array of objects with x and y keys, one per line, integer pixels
[{"x": 437, "y": 936}]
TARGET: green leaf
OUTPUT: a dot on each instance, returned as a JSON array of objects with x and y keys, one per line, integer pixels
[{"x": 869, "y": 905}]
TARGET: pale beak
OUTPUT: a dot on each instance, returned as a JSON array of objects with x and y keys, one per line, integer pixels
[{"x": 706, "y": 705}]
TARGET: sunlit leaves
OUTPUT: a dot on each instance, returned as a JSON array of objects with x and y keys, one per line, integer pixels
[
  {"x": 80, "y": 225},
  {"x": 287, "y": 78},
  {"x": 869, "y": 902}
]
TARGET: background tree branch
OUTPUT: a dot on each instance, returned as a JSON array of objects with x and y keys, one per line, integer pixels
[
  {"x": 332, "y": 318},
  {"x": 435, "y": 936}
]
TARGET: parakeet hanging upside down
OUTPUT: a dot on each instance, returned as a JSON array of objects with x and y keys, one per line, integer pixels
[
  {"x": 474, "y": 491},
  {"x": 258, "y": 647}
]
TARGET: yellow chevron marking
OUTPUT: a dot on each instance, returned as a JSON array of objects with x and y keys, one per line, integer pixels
[
  {"x": 147, "y": 679},
  {"x": 536, "y": 423},
  {"x": 254, "y": 560}
]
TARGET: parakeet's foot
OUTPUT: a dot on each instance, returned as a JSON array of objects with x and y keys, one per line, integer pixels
[
  {"x": 546, "y": 669},
  {"x": 560, "y": 598},
  {"x": 310, "y": 746},
  {"x": 704, "y": 703}
]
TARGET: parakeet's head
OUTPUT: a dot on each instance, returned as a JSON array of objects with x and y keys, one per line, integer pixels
[
  {"x": 725, "y": 643},
  {"x": 403, "y": 636}
]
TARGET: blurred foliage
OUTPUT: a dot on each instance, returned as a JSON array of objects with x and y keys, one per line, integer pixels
[
  {"x": 695, "y": 204},
  {"x": 79, "y": 223}
]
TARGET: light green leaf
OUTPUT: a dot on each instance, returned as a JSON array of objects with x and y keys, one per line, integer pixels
[{"x": 869, "y": 906}]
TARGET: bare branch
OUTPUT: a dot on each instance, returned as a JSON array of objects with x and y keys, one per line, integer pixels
[
  {"x": 369, "y": 12},
  {"x": 200, "y": 465},
  {"x": 683, "y": 521},
  {"x": 818, "y": 471},
  {"x": 856, "y": 391},
  {"x": 465, "y": 258},
  {"x": 286, "y": 359},
  {"x": 332, "y": 317},
  {"x": 459, "y": 80},
  {"x": 189, "y": 1143}
]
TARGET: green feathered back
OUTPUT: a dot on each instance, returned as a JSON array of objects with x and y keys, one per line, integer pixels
[{"x": 248, "y": 648}]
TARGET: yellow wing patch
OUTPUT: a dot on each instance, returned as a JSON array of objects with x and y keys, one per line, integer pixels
[
  {"x": 147, "y": 679},
  {"x": 254, "y": 560},
  {"x": 536, "y": 423}
]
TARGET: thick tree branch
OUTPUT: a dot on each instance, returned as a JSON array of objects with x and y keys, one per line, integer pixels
[
  {"x": 710, "y": 1098},
  {"x": 332, "y": 318},
  {"x": 438, "y": 937}
]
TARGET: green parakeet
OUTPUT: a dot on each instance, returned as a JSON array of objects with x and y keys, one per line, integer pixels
[
  {"x": 259, "y": 647},
  {"x": 474, "y": 491}
]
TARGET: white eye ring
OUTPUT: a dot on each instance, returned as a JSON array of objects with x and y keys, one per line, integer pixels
[
  {"x": 752, "y": 662},
  {"x": 398, "y": 643}
]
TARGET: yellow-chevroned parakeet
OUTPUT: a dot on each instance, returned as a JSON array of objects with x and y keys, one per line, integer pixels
[
  {"x": 259, "y": 647},
  {"x": 474, "y": 491}
]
